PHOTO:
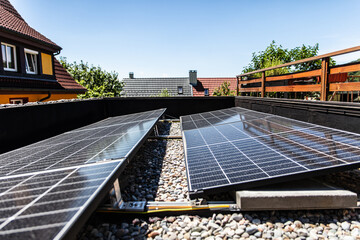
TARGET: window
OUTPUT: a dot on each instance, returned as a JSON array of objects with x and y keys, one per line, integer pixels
[
  {"x": 31, "y": 61},
  {"x": 18, "y": 100},
  {"x": 206, "y": 92},
  {"x": 8, "y": 57},
  {"x": 180, "y": 90}
]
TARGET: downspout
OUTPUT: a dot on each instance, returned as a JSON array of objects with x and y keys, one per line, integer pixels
[{"x": 47, "y": 97}]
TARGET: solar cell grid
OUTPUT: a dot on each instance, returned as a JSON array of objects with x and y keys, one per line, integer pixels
[
  {"x": 50, "y": 203},
  {"x": 243, "y": 148}
]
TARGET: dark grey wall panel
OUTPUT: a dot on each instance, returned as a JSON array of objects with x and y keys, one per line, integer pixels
[
  {"x": 176, "y": 107},
  {"x": 27, "y": 124},
  {"x": 345, "y": 116}
]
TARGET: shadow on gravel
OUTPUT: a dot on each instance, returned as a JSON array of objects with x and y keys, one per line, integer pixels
[
  {"x": 164, "y": 128},
  {"x": 140, "y": 179},
  {"x": 348, "y": 180}
]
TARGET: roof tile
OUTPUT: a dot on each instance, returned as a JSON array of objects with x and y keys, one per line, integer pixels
[
  {"x": 65, "y": 79},
  {"x": 211, "y": 84},
  {"x": 10, "y": 19},
  {"x": 147, "y": 87}
]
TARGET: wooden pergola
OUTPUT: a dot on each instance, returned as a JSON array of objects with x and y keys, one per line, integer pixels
[{"x": 324, "y": 87}]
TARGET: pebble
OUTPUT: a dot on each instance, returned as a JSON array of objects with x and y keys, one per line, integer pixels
[
  {"x": 153, "y": 234},
  {"x": 237, "y": 217},
  {"x": 333, "y": 226},
  {"x": 195, "y": 234},
  {"x": 251, "y": 230},
  {"x": 219, "y": 217},
  {"x": 345, "y": 226},
  {"x": 256, "y": 221}
]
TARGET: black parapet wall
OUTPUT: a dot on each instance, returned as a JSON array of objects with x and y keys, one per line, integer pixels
[
  {"x": 340, "y": 115},
  {"x": 23, "y": 125},
  {"x": 176, "y": 106}
]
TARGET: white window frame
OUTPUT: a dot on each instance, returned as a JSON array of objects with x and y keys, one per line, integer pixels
[
  {"x": 17, "y": 101},
  {"x": 32, "y": 52},
  {"x": 6, "y": 53}
]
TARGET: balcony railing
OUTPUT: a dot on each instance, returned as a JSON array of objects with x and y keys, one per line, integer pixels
[{"x": 324, "y": 80}]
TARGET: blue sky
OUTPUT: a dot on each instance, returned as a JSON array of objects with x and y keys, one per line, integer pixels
[{"x": 167, "y": 38}]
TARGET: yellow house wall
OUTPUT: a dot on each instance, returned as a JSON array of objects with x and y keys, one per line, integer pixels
[{"x": 34, "y": 97}]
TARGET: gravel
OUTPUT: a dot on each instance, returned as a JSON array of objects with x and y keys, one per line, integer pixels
[
  {"x": 169, "y": 128},
  {"x": 45, "y": 103},
  {"x": 158, "y": 173},
  {"x": 269, "y": 225}
]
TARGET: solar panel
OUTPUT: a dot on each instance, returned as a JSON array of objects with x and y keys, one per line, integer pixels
[
  {"x": 44, "y": 205},
  {"x": 245, "y": 148},
  {"x": 46, "y": 186}
]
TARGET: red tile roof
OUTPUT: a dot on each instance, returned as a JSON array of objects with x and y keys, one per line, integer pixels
[
  {"x": 11, "y": 20},
  {"x": 211, "y": 84},
  {"x": 65, "y": 79}
]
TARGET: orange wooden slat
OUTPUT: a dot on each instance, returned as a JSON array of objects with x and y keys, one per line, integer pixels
[
  {"x": 345, "y": 69},
  {"x": 313, "y": 73},
  {"x": 349, "y": 86},
  {"x": 257, "y": 89},
  {"x": 295, "y": 88},
  {"x": 256, "y": 80}
]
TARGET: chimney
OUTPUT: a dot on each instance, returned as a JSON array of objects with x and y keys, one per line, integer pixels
[
  {"x": 131, "y": 75},
  {"x": 193, "y": 77}
]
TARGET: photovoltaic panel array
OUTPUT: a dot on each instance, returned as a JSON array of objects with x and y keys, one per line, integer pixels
[
  {"x": 46, "y": 186},
  {"x": 239, "y": 148}
]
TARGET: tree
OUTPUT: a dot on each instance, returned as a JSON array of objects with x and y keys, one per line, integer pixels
[
  {"x": 224, "y": 90},
  {"x": 164, "y": 93},
  {"x": 98, "y": 82},
  {"x": 355, "y": 73},
  {"x": 275, "y": 54}
]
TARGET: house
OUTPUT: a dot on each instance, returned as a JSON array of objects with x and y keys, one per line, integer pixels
[
  {"x": 207, "y": 86},
  {"x": 179, "y": 86},
  {"x": 29, "y": 70},
  {"x": 151, "y": 87}
]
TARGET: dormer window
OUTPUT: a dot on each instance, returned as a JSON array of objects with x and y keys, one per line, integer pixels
[
  {"x": 206, "y": 92},
  {"x": 180, "y": 90},
  {"x": 8, "y": 57},
  {"x": 31, "y": 61}
]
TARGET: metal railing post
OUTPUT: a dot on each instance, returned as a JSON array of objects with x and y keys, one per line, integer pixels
[{"x": 237, "y": 86}]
